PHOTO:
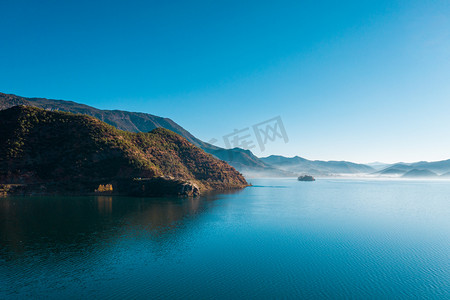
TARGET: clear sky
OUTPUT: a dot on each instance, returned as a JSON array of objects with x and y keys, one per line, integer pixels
[{"x": 352, "y": 80}]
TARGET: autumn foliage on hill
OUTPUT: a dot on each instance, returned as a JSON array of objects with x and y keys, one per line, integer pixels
[{"x": 39, "y": 146}]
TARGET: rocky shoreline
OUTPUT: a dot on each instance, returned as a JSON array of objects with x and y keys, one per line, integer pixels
[{"x": 163, "y": 186}]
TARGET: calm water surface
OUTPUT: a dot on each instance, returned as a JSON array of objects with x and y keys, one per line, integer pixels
[{"x": 280, "y": 238}]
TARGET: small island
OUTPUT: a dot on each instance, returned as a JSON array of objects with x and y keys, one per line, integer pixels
[{"x": 306, "y": 178}]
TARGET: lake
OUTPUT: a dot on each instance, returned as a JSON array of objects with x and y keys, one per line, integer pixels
[{"x": 280, "y": 238}]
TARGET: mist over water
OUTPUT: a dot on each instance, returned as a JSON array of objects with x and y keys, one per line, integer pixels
[{"x": 335, "y": 238}]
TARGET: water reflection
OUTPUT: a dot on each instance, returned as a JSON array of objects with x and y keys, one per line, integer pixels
[
  {"x": 55, "y": 224},
  {"x": 331, "y": 239},
  {"x": 104, "y": 205}
]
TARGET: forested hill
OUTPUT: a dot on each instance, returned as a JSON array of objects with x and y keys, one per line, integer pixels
[{"x": 40, "y": 146}]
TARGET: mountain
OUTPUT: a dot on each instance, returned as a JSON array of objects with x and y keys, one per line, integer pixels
[
  {"x": 378, "y": 165},
  {"x": 246, "y": 162},
  {"x": 241, "y": 159},
  {"x": 281, "y": 160},
  {"x": 436, "y": 167},
  {"x": 315, "y": 167},
  {"x": 49, "y": 151},
  {"x": 418, "y": 173},
  {"x": 395, "y": 169},
  {"x": 391, "y": 171},
  {"x": 123, "y": 120},
  {"x": 439, "y": 167}
]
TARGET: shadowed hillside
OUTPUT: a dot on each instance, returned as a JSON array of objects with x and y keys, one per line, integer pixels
[{"x": 68, "y": 152}]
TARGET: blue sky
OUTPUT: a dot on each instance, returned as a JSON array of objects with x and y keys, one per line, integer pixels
[{"x": 352, "y": 80}]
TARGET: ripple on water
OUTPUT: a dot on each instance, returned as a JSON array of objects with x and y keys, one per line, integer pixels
[{"x": 277, "y": 239}]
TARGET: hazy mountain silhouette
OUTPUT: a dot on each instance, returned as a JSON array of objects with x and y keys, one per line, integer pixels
[
  {"x": 418, "y": 173},
  {"x": 442, "y": 166},
  {"x": 402, "y": 169},
  {"x": 378, "y": 165},
  {"x": 395, "y": 169},
  {"x": 316, "y": 167}
]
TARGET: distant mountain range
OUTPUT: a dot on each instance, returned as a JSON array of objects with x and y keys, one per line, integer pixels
[
  {"x": 421, "y": 169},
  {"x": 316, "y": 167}
]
